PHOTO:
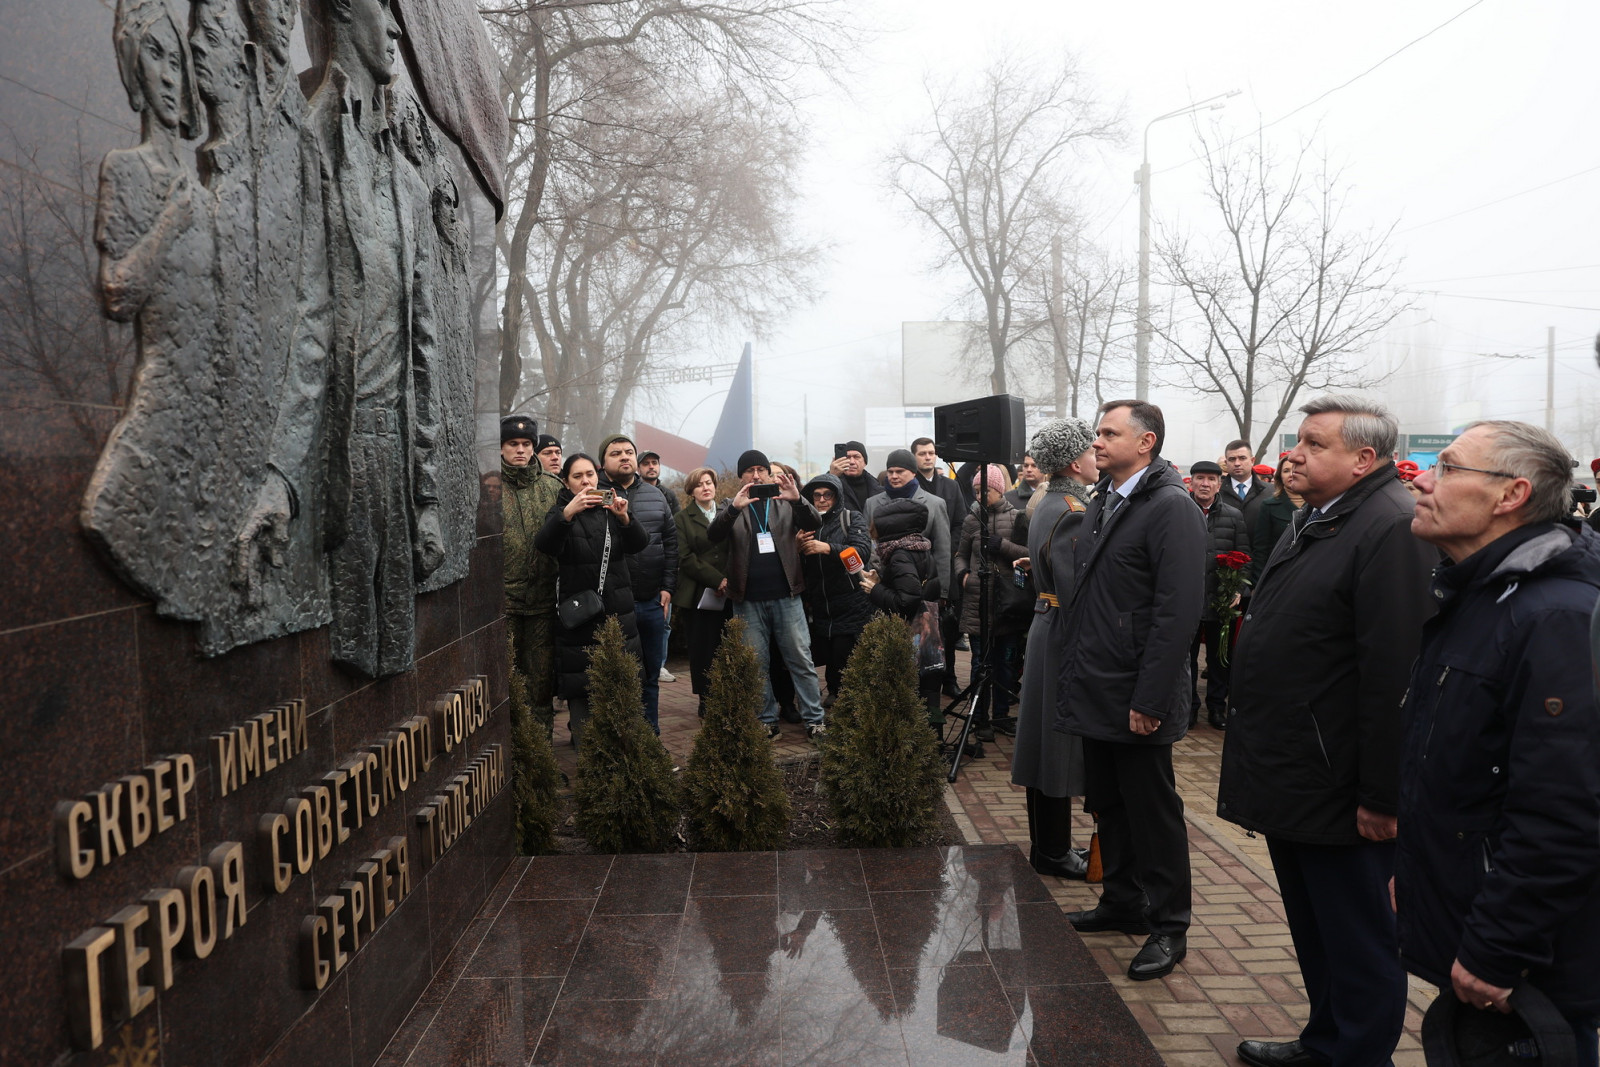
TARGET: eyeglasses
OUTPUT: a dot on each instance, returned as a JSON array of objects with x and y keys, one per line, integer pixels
[{"x": 1445, "y": 468}]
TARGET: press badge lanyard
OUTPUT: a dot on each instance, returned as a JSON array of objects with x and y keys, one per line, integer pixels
[{"x": 763, "y": 534}]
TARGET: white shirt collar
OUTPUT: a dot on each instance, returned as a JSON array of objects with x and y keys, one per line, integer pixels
[{"x": 1126, "y": 488}]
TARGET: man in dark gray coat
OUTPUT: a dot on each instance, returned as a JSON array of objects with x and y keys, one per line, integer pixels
[
  {"x": 1313, "y": 744},
  {"x": 941, "y": 485},
  {"x": 901, "y": 483},
  {"x": 1139, "y": 575}
]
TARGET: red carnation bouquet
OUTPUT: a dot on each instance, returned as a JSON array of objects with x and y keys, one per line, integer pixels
[{"x": 1231, "y": 583}]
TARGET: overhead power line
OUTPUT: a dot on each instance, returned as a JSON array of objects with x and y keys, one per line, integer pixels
[
  {"x": 1499, "y": 200},
  {"x": 1379, "y": 63},
  {"x": 1506, "y": 274},
  {"x": 1506, "y": 300},
  {"x": 1342, "y": 85}
]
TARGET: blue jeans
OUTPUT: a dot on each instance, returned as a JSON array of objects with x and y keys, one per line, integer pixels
[
  {"x": 783, "y": 620},
  {"x": 652, "y": 654}
]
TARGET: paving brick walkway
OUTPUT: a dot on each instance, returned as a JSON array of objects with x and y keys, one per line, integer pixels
[{"x": 1240, "y": 979}]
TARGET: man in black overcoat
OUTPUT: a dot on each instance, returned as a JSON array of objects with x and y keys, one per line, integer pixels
[
  {"x": 1138, "y": 578},
  {"x": 1313, "y": 746}
]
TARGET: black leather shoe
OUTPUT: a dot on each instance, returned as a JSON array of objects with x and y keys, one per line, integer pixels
[
  {"x": 1279, "y": 1054},
  {"x": 1160, "y": 954},
  {"x": 983, "y": 731},
  {"x": 1095, "y": 920},
  {"x": 1006, "y": 724},
  {"x": 1074, "y": 865},
  {"x": 1216, "y": 721},
  {"x": 951, "y": 689},
  {"x": 789, "y": 713}
]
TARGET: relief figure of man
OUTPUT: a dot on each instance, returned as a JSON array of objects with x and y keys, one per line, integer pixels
[{"x": 357, "y": 422}]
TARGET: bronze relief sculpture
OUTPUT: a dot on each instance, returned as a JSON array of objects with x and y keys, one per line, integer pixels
[{"x": 298, "y": 448}]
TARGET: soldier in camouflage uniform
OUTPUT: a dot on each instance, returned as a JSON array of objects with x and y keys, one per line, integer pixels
[{"x": 528, "y": 495}]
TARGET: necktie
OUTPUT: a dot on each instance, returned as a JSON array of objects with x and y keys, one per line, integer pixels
[{"x": 1242, "y": 489}]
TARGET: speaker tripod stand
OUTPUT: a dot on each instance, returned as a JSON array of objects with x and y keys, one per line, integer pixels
[{"x": 980, "y": 690}]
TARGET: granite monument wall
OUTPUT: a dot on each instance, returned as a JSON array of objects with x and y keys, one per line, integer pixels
[{"x": 255, "y": 736}]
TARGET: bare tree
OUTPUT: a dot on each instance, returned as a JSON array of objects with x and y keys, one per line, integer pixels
[
  {"x": 49, "y": 315},
  {"x": 680, "y": 222},
  {"x": 1090, "y": 324},
  {"x": 1281, "y": 298},
  {"x": 561, "y": 56},
  {"x": 990, "y": 177}
]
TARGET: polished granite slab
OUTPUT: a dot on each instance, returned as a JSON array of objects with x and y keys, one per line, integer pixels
[{"x": 862, "y": 957}]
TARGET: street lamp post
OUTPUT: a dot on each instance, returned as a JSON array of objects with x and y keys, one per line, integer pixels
[{"x": 1141, "y": 178}]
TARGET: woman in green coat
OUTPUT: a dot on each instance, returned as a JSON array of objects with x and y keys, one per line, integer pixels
[
  {"x": 1274, "y": 516},
  {"x": 701, "y": 597}
]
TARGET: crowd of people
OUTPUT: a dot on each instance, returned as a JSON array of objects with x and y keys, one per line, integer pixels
[{"x": 1398, "y": 659}]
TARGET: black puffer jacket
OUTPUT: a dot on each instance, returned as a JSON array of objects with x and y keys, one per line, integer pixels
[
  {"x": 1138, "y": 579},
  {"x": 906, "y": 576},
  {"x": 1005, "y": 522},
  {"x": 1225, "y": 532},
  {"x": 835, "y": 604},
  {"x": 1499, "y": 851},
  {"x": 1320, "y": 668},
  {"x": 656, "y": 567},
  {"x": 578, "y": 547}
]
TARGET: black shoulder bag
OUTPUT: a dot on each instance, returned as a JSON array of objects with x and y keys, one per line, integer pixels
[{"x": 586, "y": 605}]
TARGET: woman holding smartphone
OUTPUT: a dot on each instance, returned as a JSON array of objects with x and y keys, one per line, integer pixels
[
  {"x": 702, "y": 579},
  {"x": 588, "y": 531}
]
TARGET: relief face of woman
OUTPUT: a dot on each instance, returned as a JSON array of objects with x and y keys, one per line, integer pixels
[{"x": 160, "y": 73}]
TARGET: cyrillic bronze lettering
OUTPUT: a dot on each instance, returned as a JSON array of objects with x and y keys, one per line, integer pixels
[
  {"x": 85, "y": 1010},
  {"x": 199, "y": 886},
  {"x": 130, "y": 995},
  {"x": 314, "y": 969},
  {"x": 169, "y": 915},
  {"x": 227, "y": 864},
  {"x": 161, "y": 794},
  {"x": 225, "y": 761},
  {"x": 72, "y": 818}
]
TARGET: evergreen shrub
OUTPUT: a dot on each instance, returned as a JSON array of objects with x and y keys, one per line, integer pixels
[
  {"x": 733, "y": 792},
  {"x": 626, "y": 797},
  {"x": 880, "y": 763},
  {"x": 535, "y": 777}
]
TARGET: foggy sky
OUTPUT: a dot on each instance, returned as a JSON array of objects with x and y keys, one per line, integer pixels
[{"x": 1498, "y": 102}]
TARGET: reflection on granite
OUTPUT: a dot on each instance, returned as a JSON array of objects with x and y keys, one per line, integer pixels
[{"x": 910, "y": 956}]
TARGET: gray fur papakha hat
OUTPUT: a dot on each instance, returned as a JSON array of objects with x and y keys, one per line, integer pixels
[{"x": 1058, "y": 442}]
